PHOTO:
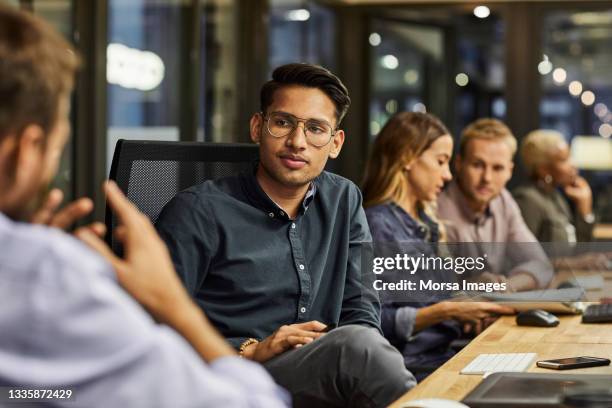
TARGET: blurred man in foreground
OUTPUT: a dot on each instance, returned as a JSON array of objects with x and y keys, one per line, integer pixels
[{"x": 66, "y": 324}]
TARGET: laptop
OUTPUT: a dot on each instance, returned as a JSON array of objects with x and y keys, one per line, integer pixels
[
  {"x": 563, "y": 301},
  {"x": 533, "y": 390}
]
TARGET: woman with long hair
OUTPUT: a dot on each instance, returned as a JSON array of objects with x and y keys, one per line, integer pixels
[{"x": 408, "y": 167}]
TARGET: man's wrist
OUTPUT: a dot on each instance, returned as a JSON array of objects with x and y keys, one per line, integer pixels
[{"x": 247, "y": 348}]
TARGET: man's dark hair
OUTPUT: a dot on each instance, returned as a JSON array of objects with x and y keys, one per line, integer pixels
[{"x": 310, "y": 76}]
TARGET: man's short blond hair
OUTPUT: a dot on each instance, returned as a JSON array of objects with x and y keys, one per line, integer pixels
[
  {"x": 538, "y": 147},
  {"x": 487, "y": 129}
]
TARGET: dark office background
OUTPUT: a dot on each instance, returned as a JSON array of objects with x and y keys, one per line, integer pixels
[{"x": 191, "y": 69}]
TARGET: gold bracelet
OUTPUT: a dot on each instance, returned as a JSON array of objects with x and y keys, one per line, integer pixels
[{"x": 246, "y": 344}]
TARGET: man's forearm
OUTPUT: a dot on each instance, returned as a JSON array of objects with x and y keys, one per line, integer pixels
[
  {"x": 191, "y": 323},
  {"x": 520, "y": 281}
]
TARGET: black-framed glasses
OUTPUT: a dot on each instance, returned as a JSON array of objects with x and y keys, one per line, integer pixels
[{"x": 280, "y": 124}]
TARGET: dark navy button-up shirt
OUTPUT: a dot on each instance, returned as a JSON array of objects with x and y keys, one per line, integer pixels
[{"x": 252, "y": 269}]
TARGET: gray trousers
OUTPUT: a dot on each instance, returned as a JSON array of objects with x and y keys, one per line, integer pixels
[{"x": 351, "y": 366}]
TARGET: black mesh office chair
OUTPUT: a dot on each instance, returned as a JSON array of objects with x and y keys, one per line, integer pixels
[{"x": 150, "y": 173}]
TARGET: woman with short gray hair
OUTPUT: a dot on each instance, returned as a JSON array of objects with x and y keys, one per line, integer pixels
[{"x": 546, "y": 157}]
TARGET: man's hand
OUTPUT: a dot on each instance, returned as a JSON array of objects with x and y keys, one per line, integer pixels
[
  {"x": 147, "y": 272},
  {"x": 475, "y": 315},
  {"x": 148, "y": 275},
  {"x": 580, "y": 193},
  {"x": 50, "y": 214},
  {"x": 489, "y": 277},
  {"x": 283, "y": 339}
]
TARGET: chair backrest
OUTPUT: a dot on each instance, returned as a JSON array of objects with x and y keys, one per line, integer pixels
[{"x": 150, "y": 173}]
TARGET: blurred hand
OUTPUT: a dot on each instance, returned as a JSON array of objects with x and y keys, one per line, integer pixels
[
  {"x": 283, "y": 339},
  {"x": 146, "y": 272},
  {"x": 591, "y": 261},
  {"x": 580, "y": 193},
  {"x": 50, "y": 214},
  {"x": 489, "y": 277},
  {"x": 474, "y": 315}
]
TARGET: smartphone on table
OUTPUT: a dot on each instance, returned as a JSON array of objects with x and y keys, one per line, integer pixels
[{"x": 573, "y": 362}]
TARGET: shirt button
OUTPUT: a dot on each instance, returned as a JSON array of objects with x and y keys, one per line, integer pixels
[
  {"x": 282, "y": 213},
  {"x": 293, "y": 225},
  {"x": 303, "y": 310},
  {"x": 271, "y": 215},
  {"x": 301, "y": 267}
]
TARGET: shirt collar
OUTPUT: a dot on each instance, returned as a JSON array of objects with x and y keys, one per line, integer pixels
[
  {"x": 460, "y": 198},
  {"x": 258, "y": 197}
]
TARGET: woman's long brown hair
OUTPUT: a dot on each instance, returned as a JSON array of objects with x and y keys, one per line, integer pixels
[{"x": 403, "y": 138}]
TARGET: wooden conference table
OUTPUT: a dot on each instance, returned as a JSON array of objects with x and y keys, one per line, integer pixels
[{"x": 570, "y": 338}]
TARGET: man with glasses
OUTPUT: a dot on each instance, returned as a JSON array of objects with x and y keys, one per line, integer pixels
[{"x": 274, "y": 256}]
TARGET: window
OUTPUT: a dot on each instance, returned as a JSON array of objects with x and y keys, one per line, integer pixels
[
  {"x": 301, "y": 31},
  {"x": 160, "y": 78}
]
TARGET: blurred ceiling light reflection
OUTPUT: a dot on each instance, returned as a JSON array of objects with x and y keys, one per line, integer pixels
[
  {"x": 132, "y": 68},
  {"x": 298, "y": 15},
  {"x": 575, "y": 88},
  {"x": 591, "y": 18},
  {"x": 462, "y": 79},
  {"x": 391, "y": 106},
  {"x": 545, "y": 66},
  {"x": 499, "y": 108},
  {"x": 482, "y": 12},
  {"x": 375, "y": 39},
  {"x": 588, "y": 98},
  {"x": 601, "y": 110},
  {"x": 559, "y": 75},
  {"x": 419, "y": 107},
  {"x": 389, "y": 61},
  {"x": 605, "y": 130},
  {"x": 374, "y": 127},
  {"x": 411, "y": 76}
]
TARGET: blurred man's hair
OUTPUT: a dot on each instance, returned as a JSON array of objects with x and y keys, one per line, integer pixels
[
  {"x": 487, "y": 129},
  {"x": 37, "y": 68},
  {"x": 309, "y": 76}
]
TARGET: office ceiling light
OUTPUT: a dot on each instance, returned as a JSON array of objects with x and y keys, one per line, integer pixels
[
  {"x": 419, "y": 107},
  {"x": 462, "y": 79},
  {"x": 132, "y": 68},
  {"x": 374, "y": 127},
  {"x": 482, "y": 12},
  {"x": 605, "y": 130},
  {"x": 592, "y": 19},
  {"x": 601, "y": 110},
  {"x": 411, "y": 76},
  {"x": 575, "y": 88},
  {"x": 389, "y": 61},
  {"x": 375, "y": 39},
  {"x": 391, "y": 106},
  {"x": 588, "y": 98},
  {"x": 559, "y": 75},
  {"x": 545, "y": 66},
  {"x": 298, "y": 15}
]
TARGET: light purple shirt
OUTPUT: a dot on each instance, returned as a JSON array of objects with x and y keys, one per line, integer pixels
[
  {"x": 65, "y": 322},
  {"x": 501, "y": 223}
]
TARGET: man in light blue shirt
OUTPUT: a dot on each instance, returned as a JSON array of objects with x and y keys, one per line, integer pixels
[{"x": 71, "y": 319}]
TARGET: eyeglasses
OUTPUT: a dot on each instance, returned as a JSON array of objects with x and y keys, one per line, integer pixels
[{"x": 318, "y": 133}]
